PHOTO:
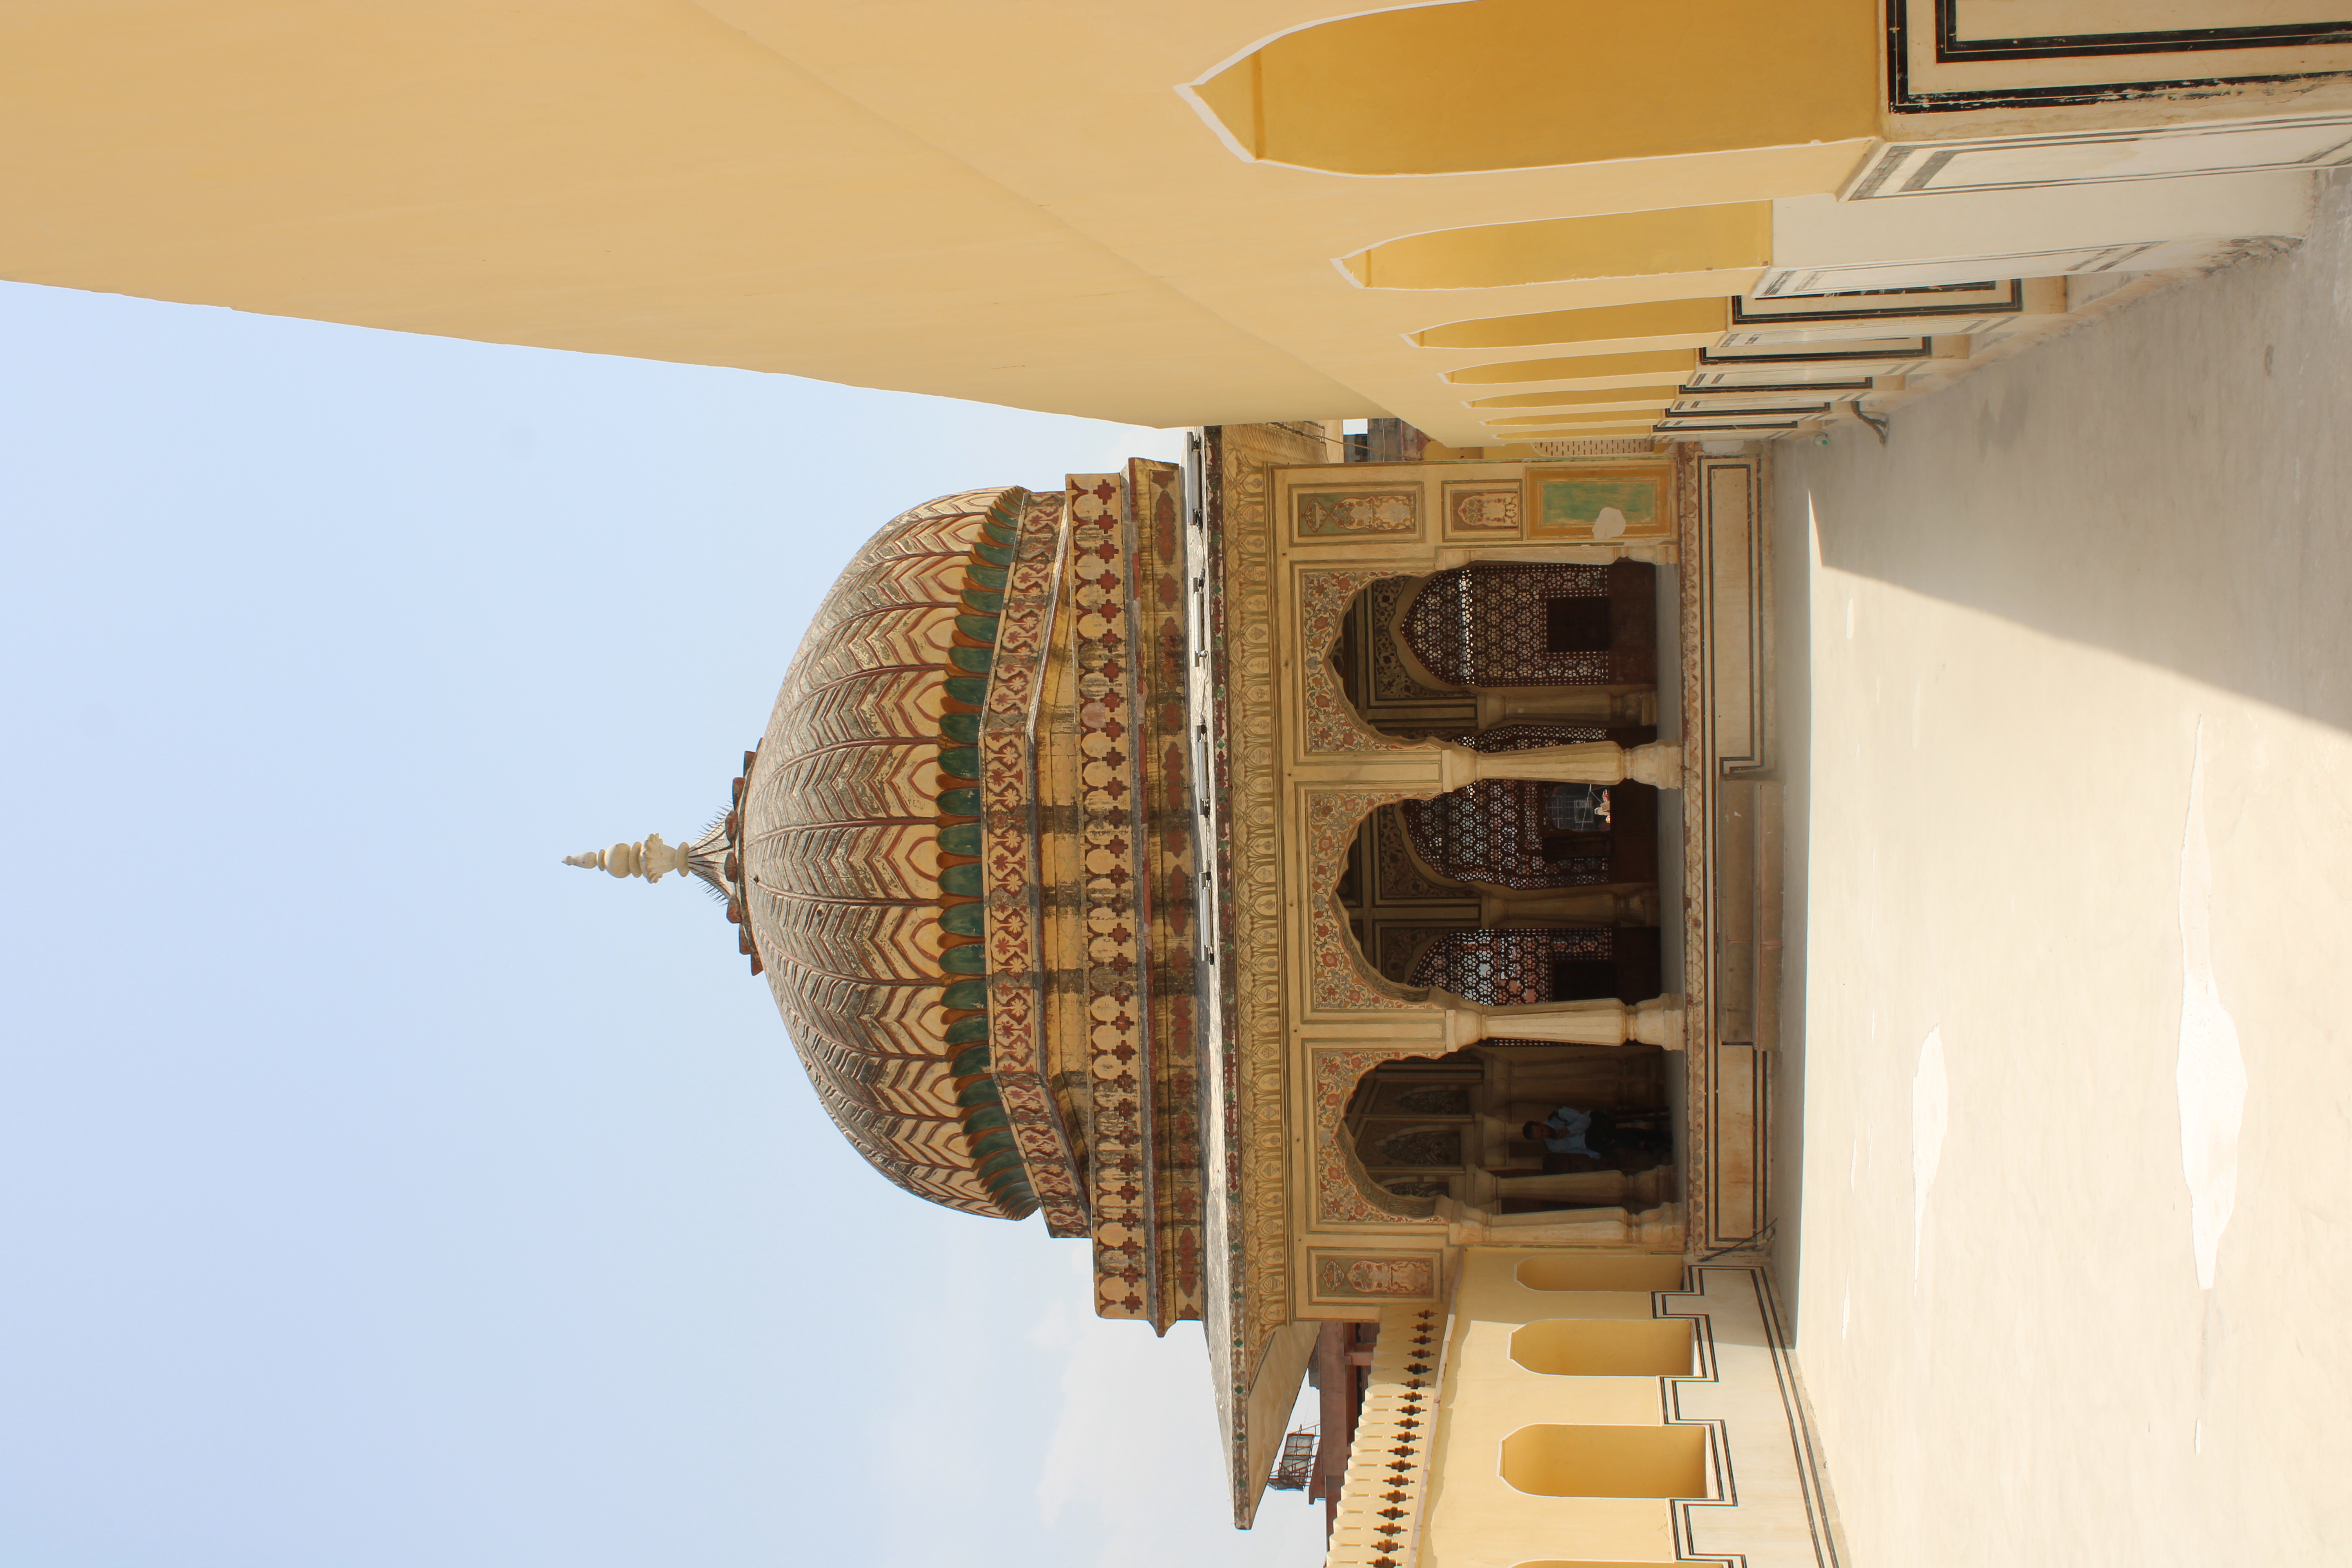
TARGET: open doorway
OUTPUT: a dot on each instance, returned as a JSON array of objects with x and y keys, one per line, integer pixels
[{"x": 1485, "y": 1127}]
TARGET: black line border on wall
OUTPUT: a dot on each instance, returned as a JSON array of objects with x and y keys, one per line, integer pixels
[{"x": 1950, "y": 49}]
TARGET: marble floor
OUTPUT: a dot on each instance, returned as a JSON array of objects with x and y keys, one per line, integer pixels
[{"x": 2063, "y": 1143}]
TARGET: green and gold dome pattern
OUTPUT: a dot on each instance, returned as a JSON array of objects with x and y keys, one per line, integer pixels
[{"x": 860, "y": 842}]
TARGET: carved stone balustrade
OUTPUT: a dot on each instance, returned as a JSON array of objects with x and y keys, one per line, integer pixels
[
  {"x": 1571, "y": 907},
  {"x": 1659, "y": 763},
  {"x": 1605, "y": 705},
  {"x": 1657, "y": 1022}
]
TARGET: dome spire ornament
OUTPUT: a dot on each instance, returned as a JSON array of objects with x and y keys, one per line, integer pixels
[{"x": 648, "y": 858}]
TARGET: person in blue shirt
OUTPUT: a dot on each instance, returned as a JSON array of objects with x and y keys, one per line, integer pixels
[{"x": 1569, "y": 1131}]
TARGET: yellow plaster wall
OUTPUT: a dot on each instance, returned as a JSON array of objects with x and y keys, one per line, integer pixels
[
  {"x": 990, "y": 202},
  {"x": 1493, "y": 1410},
  {"x": 607, "y": 175},
  {"x": 993, "y": 202}
]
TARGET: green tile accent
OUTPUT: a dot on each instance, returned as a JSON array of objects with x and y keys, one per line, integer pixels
[{"x": 996, "y": 1167}]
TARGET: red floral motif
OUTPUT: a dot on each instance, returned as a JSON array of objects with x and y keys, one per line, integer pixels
[
  {"x": 1015, "y": 1021},
  {"x": 1338, "y": 1197},
  {"x": 1343, "y": 980},
  {"x": 1332, "y": 722}
]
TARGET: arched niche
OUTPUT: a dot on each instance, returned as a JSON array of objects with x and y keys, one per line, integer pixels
[
  {"x": 1659, "y": 324},
  {"x": 1482, "y": 894},
  {"x": 1505, "y": 656},
  {"x": 1646, "y": 367},
  {"x": 1600, "y": 1271},
  {"x": 1607, "y": 1461},
  {"x": 1521, "y": 84},
  {"x": 1605, "y": 1347},
  {"x": 1732, "y": 237},
  {"x": 1418, "y": 1129}
]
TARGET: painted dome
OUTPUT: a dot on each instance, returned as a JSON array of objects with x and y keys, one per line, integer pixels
[{"x": 858, "y": 832}]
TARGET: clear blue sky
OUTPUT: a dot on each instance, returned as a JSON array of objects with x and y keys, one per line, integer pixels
[{"x": 377, "y": 1192}]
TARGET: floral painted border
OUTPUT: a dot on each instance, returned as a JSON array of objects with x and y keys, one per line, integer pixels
[
  {"x": 1340, "y": 979},
  {"x": 1116, "y": 998},
  {"x": 1016, "y": 981},
  {"x": 1341, "y": 1197},
  {"x": 1332, "y": 722}
]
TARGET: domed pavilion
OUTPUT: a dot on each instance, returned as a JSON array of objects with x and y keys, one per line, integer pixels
[{"x": 1257, "y": 867}]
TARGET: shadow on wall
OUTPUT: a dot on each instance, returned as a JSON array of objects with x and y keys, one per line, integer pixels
[{"x": 2172, "y": 483}]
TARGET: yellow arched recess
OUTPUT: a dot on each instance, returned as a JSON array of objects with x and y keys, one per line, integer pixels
[
  {"x": 1605, "y": 1347},
  {"x": 1583, "y": 369},
  {"x": 1737, "y": 236},
  {"x": 1662, "y": 324},
  {"x": 1607, "y": 1461},
  {"x": 1520, "y": 84},
  {"x": 1587, "y": 397}
]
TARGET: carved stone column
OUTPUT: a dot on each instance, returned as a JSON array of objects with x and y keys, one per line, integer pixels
[
  {"x": 1657, "y": 1022},
  {"x": 1594, "y": 762},
  {"x": 1569, "y": 907},
  {"x": 1605, "y": 705}
]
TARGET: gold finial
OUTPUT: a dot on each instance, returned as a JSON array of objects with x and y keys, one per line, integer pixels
[{"x": 649, "y": 858}]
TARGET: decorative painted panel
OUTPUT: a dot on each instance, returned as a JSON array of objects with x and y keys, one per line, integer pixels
[
  {"x": 1482, "y": 510},
  {"x": 1335, "y": 512},
  {"x": 1371, "y": 1276},
  {"x": 1599, "y": 503}
]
